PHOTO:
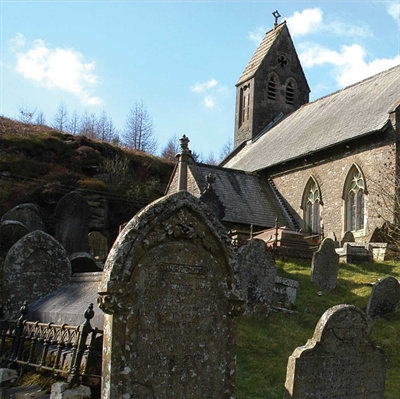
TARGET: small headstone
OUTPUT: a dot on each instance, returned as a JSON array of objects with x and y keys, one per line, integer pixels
[
  {"x": 340, "y": 361},
  {"x": 355, "y": 254},
  {"x": 257, "y": 274},
  {"x": 285, "y": 292},
  {"x": 82, "y": 262},
  {"x": 27, "y": 214},
  {"x": 384, "y": 299},
  {"x": 8, "y": 375},
  {"x": 98, "y": 246},
  {"x": 10, "y": 232},
  {"x": 348, "y": 236},
  {"x": 167, "y": 291},
  {"x": 35, "y": 266},
  {"x": 72, "y": 215},
  {"x": 325, "y": 266}
]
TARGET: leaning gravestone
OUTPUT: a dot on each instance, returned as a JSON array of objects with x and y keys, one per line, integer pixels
[
  {"x": 340, "y": 361},
  {"x": 384, "y": 299},
  {"x": 325, "y": 266},
  {"x": 27, "y": 214},
  {"x": 257, "y": 274},
  {"x": 35, "y": 266},
  {"x": 72, "y": 215},
  {"x": 167, "y": 291}
]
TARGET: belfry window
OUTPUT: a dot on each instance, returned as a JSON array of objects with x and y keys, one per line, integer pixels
[
  {"x": 354, "y": 200},
  {"x": 311, "y": 207},
  {"x": 290, "y": 93},
  {"x": 272, "y": 88},
  {"x": 244, "y": 104}
]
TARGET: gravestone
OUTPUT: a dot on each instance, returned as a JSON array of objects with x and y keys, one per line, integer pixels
[
  {"x": 355, "y": 254},
  {"x": 285, "y": 292},
  {"x": 72, "y": 215},
  {"x": 348, "y": 236},
  {"x": 35, "y": 266},
  {"x": 325, "y": 266},
  {"x": 384, "y": 298},
  {"x": 167, "y": 291},
  {"x": 98, "y": 245},
  {"x": 27, "y": 214},
  {"x": 256, "y": 276},
  {"x": 340, "y": 361},
  {"x": 10, "y": 232}
]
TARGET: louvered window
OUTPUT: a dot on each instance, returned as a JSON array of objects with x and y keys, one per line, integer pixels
[
  {"x": 290, "y": 93},
  {"x": 272, "y": 88}
]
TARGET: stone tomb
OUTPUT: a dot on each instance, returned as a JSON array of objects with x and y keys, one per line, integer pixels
[
  {"x": 325, "y": 266},
  {"x": 72, "y": 215},
  {"x": 34, "y": 266},
  {"x": 339, "y": 361},
  {"x": 257, "y": 274},
  {"x": 167, "y": 291},
  {"x": 384, "y": 298}
]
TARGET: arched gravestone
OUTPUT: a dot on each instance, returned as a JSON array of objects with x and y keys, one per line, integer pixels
[
  {"x": 27, "y": 214},
  {"x": 167, "y": 291},
  {"x": 340, "y": 361},
  {"x": 384, "y": 299},
  {"x": 325, "y": 266},
  {"x": 35, "y": 265},
  {"x": 257, "y": 275},
  {"x": 72, "y": 215},
  {"x": 10, "y": 232}
]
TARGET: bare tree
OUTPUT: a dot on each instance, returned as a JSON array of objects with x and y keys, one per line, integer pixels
[
  {"x": 211, "y": 160},
  {"x": 61, "y": 118},
  {"x": 40, "y": 119},
  {"x": 73, "y": 123},
  {"x": 139, "y": 132},
  {"x": 171, "y": 149},
  {"x": 26, "y": 114},
  {"x": 226, "y": 149}
]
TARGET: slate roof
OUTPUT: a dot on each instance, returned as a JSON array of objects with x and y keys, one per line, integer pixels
[
  {"x": 247, "y": 198},
  {"x": 352, "y": 112},
  {"x": 260, "y": 53}
]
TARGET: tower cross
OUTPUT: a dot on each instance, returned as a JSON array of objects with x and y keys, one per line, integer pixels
[{"x": 277, "y": 16}]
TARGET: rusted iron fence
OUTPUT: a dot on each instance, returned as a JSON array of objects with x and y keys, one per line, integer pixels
[{"x": 73, "y": 352}]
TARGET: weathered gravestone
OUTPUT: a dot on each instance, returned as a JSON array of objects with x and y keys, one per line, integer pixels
[
  {"x": 10, "y": 232},
  {"x": 348, "y": 236},
  {"x": 325, "y": 266},
  {"x": 167, "y": 291},
  {"x": 384, "y": 298},
  {"x": 72, "y": 215},
  {"x": 98, "y": 246},
  {"x": 27, "y": 214},
  {"x": 35, "y": 266},
  {"x": 340, "y": 361},
  {"x": 257, "y": 274}
]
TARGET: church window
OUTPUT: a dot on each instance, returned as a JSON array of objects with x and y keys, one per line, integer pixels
[
  {"x": 311, "y": 207},
  {"x": 290, "y": 93},
  {"x": 244, "y": 104},
  {"x": 354, "y": 200},
  {"x": 272, "y": 88}
]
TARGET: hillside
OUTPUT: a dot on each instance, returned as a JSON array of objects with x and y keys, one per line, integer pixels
[{"x": 39, "y": 165}]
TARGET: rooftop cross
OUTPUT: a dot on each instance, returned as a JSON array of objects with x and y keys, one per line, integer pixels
[{"x": 277, "y": 16}]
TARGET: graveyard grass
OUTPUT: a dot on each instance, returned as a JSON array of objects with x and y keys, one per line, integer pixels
[{"x": 264, "y": 344}]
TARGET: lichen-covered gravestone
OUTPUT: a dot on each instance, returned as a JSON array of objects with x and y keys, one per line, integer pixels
[
  {"x": 167, "y": 291},
  {"x": 72, "y": 215},
  {"x": 35, "y": 265},
  {"x": 257, "y": 274},
  {"x": 384, "y": 299},
  {"x": 325, "y": 266},
  {"x": 27, "y": 214},
  {"x": 340, "y": 361},
  {"x": 10, "y": 232}
]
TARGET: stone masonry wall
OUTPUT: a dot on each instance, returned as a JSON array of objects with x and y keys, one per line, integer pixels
[{"x": 330, "y": 172}]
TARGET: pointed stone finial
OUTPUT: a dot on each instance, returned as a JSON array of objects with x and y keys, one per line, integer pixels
[
  {"x": 277, "y": 16},
  {"x": 183, "y": 159},
  {"x": 184, "y": 142}
]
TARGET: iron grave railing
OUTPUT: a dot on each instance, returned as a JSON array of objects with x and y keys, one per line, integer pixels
[{"x": 70, "y": 351}]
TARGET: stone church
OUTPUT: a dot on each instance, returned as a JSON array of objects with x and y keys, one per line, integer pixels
[{"x": 323, "y": 167}]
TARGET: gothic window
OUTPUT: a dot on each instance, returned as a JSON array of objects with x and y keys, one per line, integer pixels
[
  {"x": 290, "y": 90},
  {"x": 272, "y": 83},
  {"x": 354, "y": 193},
  {"x": 311, "y": 207},
  {"x": 244, "y": 104}
]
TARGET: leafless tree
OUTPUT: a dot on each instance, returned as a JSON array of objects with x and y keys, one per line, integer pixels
[
  {"x": 139, "y": 132},
  {"x": 171, "y": 149},
  {"x": 226, "y": 149},
  {"x": 61, "y": 118},
  {"x": 26, "y": 114},
  {"x": 40, "y": 119},
  {"x": 73, "y": 123},
  {"x": 211, "y": 160}
]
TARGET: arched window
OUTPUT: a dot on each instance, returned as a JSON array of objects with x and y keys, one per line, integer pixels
[
  {"x": 290, "y": 91},
  {"x": 311, "y": 205},
  {"x": 244, "y": 104},
  {"x": 353, "y": 195},
  {"x": 272, "y": 85}
]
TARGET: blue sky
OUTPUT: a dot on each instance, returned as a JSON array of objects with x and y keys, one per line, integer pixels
[{"x": 181, "y": 58}]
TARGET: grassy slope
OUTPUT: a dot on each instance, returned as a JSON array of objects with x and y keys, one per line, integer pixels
[{"x": 264, "y": 345}]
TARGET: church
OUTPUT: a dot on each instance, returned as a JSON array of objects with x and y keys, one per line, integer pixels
[{"x": 323, "y": 167}]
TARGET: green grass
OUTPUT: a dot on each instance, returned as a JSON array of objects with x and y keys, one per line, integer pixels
[{"x": 264, "y": 344}]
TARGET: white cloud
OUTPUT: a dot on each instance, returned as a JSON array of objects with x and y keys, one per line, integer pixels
[
  {"x": 302, "y": 23},
  {"x": 209, "y": 102},
  {"x": 57, "y": 68},
  {"x": 349, "y": 63},
  {"x": 257, "y": 35},
  {"x": 17, "y": 41},
  {"x": 202, "y": 87}
]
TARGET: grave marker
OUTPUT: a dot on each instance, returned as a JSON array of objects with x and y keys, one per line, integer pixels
[
  {"x": 27, "y": 214},
  {"x": 385, "y": 297},
  {"x": 167, "y": 291}
]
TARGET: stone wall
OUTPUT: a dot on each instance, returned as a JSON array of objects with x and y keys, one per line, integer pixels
[{"x": 330, "y": 169}]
